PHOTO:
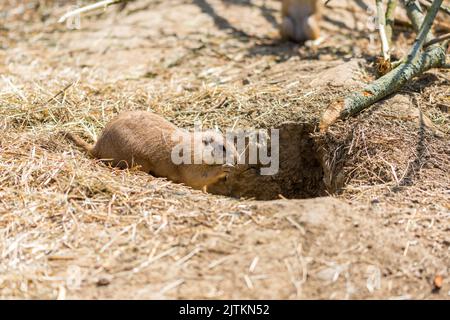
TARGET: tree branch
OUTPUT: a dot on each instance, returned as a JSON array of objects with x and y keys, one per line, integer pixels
[
  {"x": 424, "y": 31},
  {"x": 416, "y": 63},
  {"x": 415, "y": 15},
  {"x": 382, "y": 30},
  {"x": 437, "y": 40},
  {"x": 442, "y": 8},
  {"x": 391, "y": 6}
]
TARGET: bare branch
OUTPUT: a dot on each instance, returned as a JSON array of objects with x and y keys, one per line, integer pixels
[
  {"x": 415, "y": 15},
  {"x": 97, "y": 5},
  {"x": 382, "y": 30},
  {"x": 391, "y": 6},
  {"x": 442, "y": 8},
  {"x": 424, "y": 30},
  {"x": 437, "y": 40}
]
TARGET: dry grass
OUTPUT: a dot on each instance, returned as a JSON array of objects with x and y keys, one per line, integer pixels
[{"x": 71, "y": 227}]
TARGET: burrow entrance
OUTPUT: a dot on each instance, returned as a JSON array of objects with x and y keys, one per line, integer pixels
[{"x": 300, "y": 173}]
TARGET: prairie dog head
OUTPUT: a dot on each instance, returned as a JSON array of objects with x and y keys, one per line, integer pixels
[
  {"x": 212, "y": 159},
  {"x": 216, "y": 150}
]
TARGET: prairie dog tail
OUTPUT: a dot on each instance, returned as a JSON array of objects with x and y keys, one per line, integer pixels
[{"x": 79, "y": 142}]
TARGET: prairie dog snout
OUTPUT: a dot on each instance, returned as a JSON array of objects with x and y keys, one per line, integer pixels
[
  {"x": 158, "y": 147},
  {"x": 300, "y": 19}
]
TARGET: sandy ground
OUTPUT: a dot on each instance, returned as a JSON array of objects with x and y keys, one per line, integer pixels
[{"x": 71, "y": 227}]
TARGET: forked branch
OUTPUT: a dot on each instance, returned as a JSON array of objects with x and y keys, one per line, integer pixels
[{"x": 417, "y": 62}]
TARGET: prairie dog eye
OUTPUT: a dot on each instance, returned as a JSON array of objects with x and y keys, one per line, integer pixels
[{"x": 207, "y": 140}]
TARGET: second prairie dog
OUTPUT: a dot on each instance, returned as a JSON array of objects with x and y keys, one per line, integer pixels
[
  {"x": 144, "y": 139},
  {"x": 300, "y": 19}
]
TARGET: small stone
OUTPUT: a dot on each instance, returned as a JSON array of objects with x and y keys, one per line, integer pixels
[
  {"x": 103, "y": 282},
  {"x": 437, "y": 283}
]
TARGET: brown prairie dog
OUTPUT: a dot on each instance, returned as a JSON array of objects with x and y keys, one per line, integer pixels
[
  {"x": 144, "y": 139},
  {"x": 300, "y": 19}
]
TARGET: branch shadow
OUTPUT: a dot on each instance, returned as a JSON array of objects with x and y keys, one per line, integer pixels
[
  {"x": 220, "y": 22},
  {"x": 420, "y": 158},
  {"x": 266, "y": 12},
  {"x": 223, "y": 24},
  {"x": 283, "y": 49},
  {"x": 268, "y": 15},
  {"x": 264, "y": 46}
]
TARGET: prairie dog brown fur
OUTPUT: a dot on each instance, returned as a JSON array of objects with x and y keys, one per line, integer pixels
[
  {"x": 300, "y": 19},
  {"x": 144, "y": 139}
]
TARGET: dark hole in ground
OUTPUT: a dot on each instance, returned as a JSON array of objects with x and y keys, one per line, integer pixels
[{"x": 300, "y": 173}]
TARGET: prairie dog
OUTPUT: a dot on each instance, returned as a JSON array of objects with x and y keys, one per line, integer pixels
[
  {"x": 300, "y": 19},
  {"x": 144, "y": 139}
]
